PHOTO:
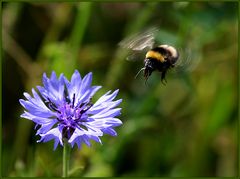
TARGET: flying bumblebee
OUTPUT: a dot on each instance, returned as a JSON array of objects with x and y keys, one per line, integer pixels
[{"x": 160, "y": 57}]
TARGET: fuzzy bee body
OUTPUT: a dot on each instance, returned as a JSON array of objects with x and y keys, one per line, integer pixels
[{"x": 160, "y": 58}]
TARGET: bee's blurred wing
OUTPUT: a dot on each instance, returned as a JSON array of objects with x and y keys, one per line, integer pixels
[
  {"x": 187, "y": 61},
  {"x": 140, "y": 41},
  {"x": 137, "y": 55}
]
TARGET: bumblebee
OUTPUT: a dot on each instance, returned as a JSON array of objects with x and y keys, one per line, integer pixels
[{"x": 160, "y": 58}]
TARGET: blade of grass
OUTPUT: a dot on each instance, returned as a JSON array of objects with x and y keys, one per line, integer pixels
[{"x": 79, "y": 28}]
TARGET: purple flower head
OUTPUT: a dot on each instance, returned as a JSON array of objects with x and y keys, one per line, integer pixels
[{"x": 64, "y": 109}]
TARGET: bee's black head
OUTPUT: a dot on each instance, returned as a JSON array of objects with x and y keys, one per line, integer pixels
[{"x": 149, "y": 67}]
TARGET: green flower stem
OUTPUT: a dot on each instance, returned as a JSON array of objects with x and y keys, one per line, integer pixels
[{"x": 66, "y": 152}]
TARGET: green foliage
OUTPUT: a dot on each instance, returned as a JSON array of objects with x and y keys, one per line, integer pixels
[{"x": 186, "y": 128}]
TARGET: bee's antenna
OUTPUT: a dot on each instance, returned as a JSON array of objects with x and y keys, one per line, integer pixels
[{"x": 139, "y": 72}]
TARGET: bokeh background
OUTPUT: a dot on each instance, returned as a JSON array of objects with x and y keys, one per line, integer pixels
[{"x": 187, "y": 128}]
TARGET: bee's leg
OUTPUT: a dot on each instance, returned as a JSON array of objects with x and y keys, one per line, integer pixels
[
  {"x": 163, "y": 79},
  {"x": 146, "y": 76}
]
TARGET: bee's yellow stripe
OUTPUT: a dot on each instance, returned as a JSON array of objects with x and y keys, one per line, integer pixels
[{"x": 156, "y": 55}]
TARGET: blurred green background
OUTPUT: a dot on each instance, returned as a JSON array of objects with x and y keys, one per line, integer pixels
[{"x": 186, "y": 128}]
